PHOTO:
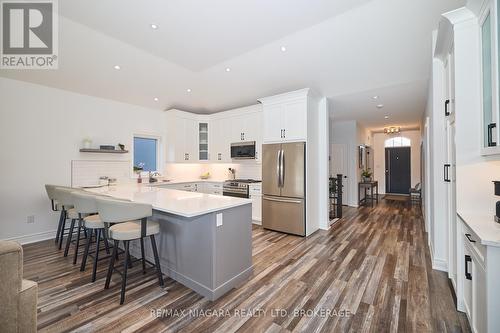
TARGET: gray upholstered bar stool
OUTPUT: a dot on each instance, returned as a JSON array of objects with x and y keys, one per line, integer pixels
[
  {"x": 65, "y": 195},
  {"x": 130, "y": 222},
  {"x": 65, "y": 205},
  {"x": 85, "y": 205},
  {"x": 55, "y": 206}
]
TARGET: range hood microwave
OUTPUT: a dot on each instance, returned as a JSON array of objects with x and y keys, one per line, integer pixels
[{"x": 243, "y": 150}]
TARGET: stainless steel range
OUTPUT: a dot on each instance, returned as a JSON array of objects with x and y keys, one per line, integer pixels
[{"x": 238, "y": 187}]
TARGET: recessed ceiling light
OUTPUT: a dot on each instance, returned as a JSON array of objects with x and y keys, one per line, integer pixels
[
  {"x": 380, "y": 106},
  {"x": 156, "y": 99},
  {"x": 386, "y": 117},
  {"x": 375, "y": 97},
  {"x": 228, "y": 69},
  {"x": 117, "y": 67},
  {"x": 283, "y": 49},
  {"x": 188, "y": 89},
  {"x": 154, "y": 26}
]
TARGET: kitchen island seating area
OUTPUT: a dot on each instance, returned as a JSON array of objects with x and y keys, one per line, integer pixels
[{"x": 109, "y": 219}]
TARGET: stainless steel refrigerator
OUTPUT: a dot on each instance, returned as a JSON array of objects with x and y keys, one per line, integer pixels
[{"x": 284, "y": 187}]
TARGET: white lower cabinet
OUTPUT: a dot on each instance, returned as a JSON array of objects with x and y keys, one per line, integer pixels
[
  {"x": 200, "y": 187},
  {"x": 213, "y": 188},
  {"x": 480, "y": 275},
  {"x": 479, "y": 298},
  {"x": 256, "y": 196}
]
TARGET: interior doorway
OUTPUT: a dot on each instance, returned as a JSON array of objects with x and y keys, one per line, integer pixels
[
  {"x": 397, "y": 170},
  {"x": 338, "y": 165}
]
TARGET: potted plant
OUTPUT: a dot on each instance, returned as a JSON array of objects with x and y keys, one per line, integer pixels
[
  {"x": 366, "y": 175},
  {"x": 138, "y": 169}
]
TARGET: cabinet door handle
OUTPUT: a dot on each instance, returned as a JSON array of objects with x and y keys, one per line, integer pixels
[
  {"x": 469, "y": 238},
  {"x": 491, "y": 143},
  {"x": 446, "y": 108},
  {"x": 447, "y": 173},
  {"x": 468, "y": 275},
  {"x": 281, "y": 133},
  {"x": 284, "y": 134}
]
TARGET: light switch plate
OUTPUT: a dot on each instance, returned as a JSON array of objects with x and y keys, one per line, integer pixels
[{"x": 219, "y": 219}]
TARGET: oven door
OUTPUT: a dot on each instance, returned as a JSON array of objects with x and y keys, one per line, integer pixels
[{"x": 243, "y": 150}]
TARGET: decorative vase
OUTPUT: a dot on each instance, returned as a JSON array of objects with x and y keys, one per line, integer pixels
[{"x": 87, "y": 143}]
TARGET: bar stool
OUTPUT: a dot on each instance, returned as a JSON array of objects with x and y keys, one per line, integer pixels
[
  {"x": 66, "y": 197},
  {"x": 85, "y": 204},
  {"x": 130, "y": 223},
  {"x": 55, "y": 206},
  {"x": 66, "y": 206}
]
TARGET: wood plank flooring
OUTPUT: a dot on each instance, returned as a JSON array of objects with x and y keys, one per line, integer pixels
[{"x": 370, "y": 273}]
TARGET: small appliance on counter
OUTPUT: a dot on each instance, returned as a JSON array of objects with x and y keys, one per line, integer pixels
[
  {"x": 497, "y": 192},
  {"x": 103, "y": 181}
]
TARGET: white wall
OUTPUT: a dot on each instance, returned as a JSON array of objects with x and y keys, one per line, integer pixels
[
  {"x": 41, "y": 130},
  {"x": 379, "y": 157}
]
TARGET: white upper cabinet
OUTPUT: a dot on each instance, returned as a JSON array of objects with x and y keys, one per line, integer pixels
[
  {"x": 294, "y": 120},
  {"x": 489, "y": 43},
  {"x": 182, "y": 137},
  {"x": 220, "y": 138},
  {"x": 285, "y": 117},
  {"x": 273, "y": 129}
]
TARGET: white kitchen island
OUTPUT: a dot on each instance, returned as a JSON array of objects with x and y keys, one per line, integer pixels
[{"x": 205, "y": 240}]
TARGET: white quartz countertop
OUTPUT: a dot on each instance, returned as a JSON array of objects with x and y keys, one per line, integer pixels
[
  {"x": 483, "y": 226},
  {"x": 182, "y": 203}
]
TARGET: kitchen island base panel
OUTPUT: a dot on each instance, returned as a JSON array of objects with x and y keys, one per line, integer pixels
[{"x": 207, "y": 258}]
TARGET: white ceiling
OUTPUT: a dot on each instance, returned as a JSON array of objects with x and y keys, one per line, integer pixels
[{"x": 348, "y": 50}]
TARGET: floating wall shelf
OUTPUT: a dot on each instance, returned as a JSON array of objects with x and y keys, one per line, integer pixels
[{"x": 108, "y": 151}]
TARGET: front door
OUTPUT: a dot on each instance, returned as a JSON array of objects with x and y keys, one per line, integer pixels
[{"x": 397, "y": 170}]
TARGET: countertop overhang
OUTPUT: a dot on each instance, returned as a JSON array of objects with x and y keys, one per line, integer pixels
[{"x": 181, "y": 203}]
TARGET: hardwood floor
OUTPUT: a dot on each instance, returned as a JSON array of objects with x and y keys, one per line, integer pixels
[{"x": 372, "y": 272}]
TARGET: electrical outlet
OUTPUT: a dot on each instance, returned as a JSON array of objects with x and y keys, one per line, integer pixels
[
  {"x": 219, "y": 219},
  {"x": 30, "y": 219}
]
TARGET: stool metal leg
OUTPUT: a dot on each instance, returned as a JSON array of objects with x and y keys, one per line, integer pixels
[
  {"x": 143, "y": 258},
  {"x": 111, "y": 264},
  {"x": 96, "y": 257},
  {"x": 77, "y": 245},
  {"x": 59, "y": 227},
  {"x": 63, "y": 226},
  {"x": 106, "y": 245},
  {"x": 128, "y": 256},
  {"x": 85, "y": 254},
  {"x": 68, "y": 239},
  {"x": 157, "y": 260},
  {"x": 124, "y": 276}
]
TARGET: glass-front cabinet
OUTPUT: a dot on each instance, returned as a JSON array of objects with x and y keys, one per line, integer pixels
[
  {"x": 203, "y": 141},
  {"x": 489, "y": 40}
]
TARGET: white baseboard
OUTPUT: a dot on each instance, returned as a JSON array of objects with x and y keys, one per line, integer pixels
[
  {"x": 33, "y": 238},
  {"x": 437, "y": 264},
  {"x": 257, "y": 222},
  {"x": 440, "y": 265}
]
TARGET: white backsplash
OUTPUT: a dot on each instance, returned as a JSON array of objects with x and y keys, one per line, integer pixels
[
  {"x": 188, "y": 171},
  {"x": 87, "y": 173}
]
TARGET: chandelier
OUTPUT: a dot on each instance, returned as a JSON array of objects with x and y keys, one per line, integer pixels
[{"x": 392, "y": 130}]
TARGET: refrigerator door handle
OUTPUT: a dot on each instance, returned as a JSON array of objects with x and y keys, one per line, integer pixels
[
  {"x": 278, "y": 168},
  {"x": 282, "y": 200},
  {"x": 282, "y": 164}
]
